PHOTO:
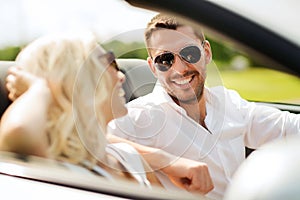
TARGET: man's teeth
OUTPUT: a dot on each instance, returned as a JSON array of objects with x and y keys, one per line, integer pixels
[{"x": 182, "y": 82}]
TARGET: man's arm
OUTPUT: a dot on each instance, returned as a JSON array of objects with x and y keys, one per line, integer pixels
[{"x": 185, "y": 173}]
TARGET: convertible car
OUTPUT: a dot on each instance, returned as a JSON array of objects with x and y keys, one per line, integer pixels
[{"x": 263, "y": 40}]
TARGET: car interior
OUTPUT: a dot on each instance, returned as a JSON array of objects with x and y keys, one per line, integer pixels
[
  {"x": 270, "y": 49},
  {"x": 45, "y": 175},
  {"x": 139, "y": 78},
  {"x": 139, "y": 81}
]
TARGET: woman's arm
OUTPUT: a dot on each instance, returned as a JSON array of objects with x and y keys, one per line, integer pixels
[{"x": 22, "y": 128}]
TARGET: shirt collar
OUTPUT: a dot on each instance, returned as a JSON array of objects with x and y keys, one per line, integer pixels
[
  {"x": 214, "y": 98},
  {"x": 160, "y": 96}
]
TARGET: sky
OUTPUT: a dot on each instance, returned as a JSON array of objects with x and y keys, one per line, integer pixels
[{"x": 23, "y": 20}]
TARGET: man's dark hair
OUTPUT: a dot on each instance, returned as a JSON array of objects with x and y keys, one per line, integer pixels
[{"x": 161, "y": 21}]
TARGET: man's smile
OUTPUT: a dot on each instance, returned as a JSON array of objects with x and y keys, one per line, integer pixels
[{"x": 183, "y": 82}]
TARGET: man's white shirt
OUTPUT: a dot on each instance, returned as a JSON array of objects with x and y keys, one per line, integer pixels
[{"x": 232, "y": 123}]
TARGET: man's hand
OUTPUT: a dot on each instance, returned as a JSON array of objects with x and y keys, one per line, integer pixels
[{"x": 189, "y": 174}]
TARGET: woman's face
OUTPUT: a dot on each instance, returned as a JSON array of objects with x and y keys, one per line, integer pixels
[{"x": 114, "y": 104}]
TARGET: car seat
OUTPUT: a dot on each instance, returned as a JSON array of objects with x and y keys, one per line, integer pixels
[
  {"x": 4, "y": 101},
  {"x": 139, "y": 79}
]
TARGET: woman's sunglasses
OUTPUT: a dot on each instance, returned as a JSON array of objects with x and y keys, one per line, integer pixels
[
  {"x": 111, "y": 59},
  {"x": 190, "y": 54}
]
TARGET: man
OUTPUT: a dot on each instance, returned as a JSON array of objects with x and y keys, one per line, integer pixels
[{"x": 183, "y": 117}]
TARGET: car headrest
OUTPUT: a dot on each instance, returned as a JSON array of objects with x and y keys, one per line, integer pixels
[
  {"x": 4, "y": 101},
  {"x": 139, "y": 78}
]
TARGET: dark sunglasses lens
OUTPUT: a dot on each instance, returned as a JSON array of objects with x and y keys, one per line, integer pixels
[
  {"x": 111, "y": 58},
  {"x": 164, "y": 61},
  {"x": 191, "y": 54},
  {"x": 115, "y": 65}
]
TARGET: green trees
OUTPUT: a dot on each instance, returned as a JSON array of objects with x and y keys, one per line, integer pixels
[{"x": 9, "y": 53}]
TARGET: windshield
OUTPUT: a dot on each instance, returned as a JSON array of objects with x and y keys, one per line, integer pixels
[{"x": 280, "y": 16}]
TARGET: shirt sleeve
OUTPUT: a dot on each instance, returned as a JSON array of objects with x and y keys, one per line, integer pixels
[
  {"x": 138, "y": 125},
  {"x": 268, "y": 123},
  {"x": 264, "y": 123},
  {"x": 119, "y": 127}
]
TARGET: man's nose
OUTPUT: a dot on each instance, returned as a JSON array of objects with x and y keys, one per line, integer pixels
[{"x": 180, "y": 66}]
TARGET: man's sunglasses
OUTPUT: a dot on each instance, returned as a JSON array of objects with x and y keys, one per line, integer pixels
[{"x": 190, "y": 54}]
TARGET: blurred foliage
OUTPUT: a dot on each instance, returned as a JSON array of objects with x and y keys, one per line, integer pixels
[
  {"x": 9, "y": 53},
  {"x": 237, "y": 71},
  {"x": 221, "y": 52},
  {"x": 127, "y": 50},
  {"x": 261, "y": 84}
]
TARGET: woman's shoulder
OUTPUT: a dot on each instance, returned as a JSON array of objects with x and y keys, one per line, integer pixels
[
  {"x": 127, "y": 155},
  {"x": 130, "y": 159}
]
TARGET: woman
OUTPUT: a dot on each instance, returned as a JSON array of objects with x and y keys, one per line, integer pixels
[{"x": 63, "y": 95}]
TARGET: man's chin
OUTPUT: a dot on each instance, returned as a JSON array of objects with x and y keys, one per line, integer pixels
[
  {"x": 188, "y": 101},
  {"x": 185, "y": 99}
]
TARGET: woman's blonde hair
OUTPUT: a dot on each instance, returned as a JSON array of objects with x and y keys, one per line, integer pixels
[{"x": 75, "y": 128}]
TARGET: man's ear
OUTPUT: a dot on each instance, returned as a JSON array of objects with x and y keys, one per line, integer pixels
[
  {"x": 152, "y": 67},
  {"x": 208, "y": 52}
]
